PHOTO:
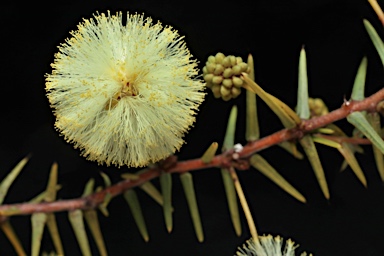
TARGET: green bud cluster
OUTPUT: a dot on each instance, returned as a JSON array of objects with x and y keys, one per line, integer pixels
[
  {"x": 317, "y": 107},
  {"x": 222, "y": 75}
]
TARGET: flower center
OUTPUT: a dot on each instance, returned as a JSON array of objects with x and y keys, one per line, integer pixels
[{"x": 128, "y": 88}]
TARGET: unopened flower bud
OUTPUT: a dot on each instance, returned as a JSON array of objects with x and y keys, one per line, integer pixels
[
  {"x": 236, "y": 70},
  {"x": 232, "y": 59},
  {"x": 211, "y": 59},
  {"x": 210, "y": 67},
  {"x": 227, "y": 73},
  {"x": 224, "y": 91},
  {"x": 239, "y": 60},
  {"x": 238, "y": 82},
  {"x": 217, "y": 79},
  {"x": 218, "y": 69},
  {"x": 227, "y": 82},
  {"x": 219, "y": 57}
]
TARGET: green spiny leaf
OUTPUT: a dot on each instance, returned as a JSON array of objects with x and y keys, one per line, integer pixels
[
  {"x": 166, "y": 189},
  {"x": 231, "y": 200},
  {"x": 93, "y": 224},
  {"x": 107, "y": 180},
  {"x": 187, "y": 182},
  {"x": 134, "y": 204},
  {"x": 291, "y": 148},
  {"x": 230, "y": 191},
  {"x": 152, "y": 191},
  {"x": 259, "y": 163},
  {"x": 313, "y": 157},
  {"x": 230, "y": 132},
  {"x": 38, "y": 222},
  {"x": 12, "y": 237},
  {"x": 359, "y": 84},
  {"x": 209, "y": 154},
  {"x": 8, "y": 180},
  {"x": 89, "y": 188},
  {"x": 374, "y": 120},
  {"x": 376, "y": 40},
  {"x": 286, "y": 115},
  {"x": 327, "y": 142},
  {"x": 302, "y": 92},
  {"x": 252, "y": 131},
  {"x": 360, "y": 122},
  {"x": 54, "y": 232},
  {"x": 76, "y": 219},
  {"x": 350, "y": 158}
]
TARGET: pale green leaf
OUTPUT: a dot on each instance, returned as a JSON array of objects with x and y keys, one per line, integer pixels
[
  {"x": 327, "y": 142},
  {"x": 374, "y": 120},
  {"x": 77, "y": 222},
  {"x": 12, "y": 237},
  {"x": 230, "y": 132},
  {"x": 302, "y": 92},
  {"x": 166, "y": 189},
  {"x": 93, "y": 224},
  {"x": 134, "y": 204},
  {"x": 376, "y": 40},
  {"x": 291, "y": 148},
  {"x": 231, "y": 200},
  {"x": 153, "y": 192},
  {"x": 359, "y": 120},
  {"x": 350, "y": 158},
  {"x": 286, "y": 115},
  {"x": 209, "y": 154},
  {"x": 38, "y": 221},
  {"x": 8, "y": 180},
  {"x": 313, "y": 157},
  {"x": 54, "y": 232},
  {"x": 259, "y": 163},
  {"x": 252, "y": 131},
  {"x": 187, "y": 182},
  {"x": 359, "y": 84}
]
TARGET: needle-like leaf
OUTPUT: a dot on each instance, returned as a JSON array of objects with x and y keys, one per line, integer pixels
[
  {"x": 134, "y": 204},
  {"x": 229, "y": 186},
  {"x": 286, "y": 115},
  {"x": 252, "y": 131},
  {"x": 77, "y": 222},
  {"x": 210, "y": 153},
  {"x": 374, "y": 120},
  {"x": 166, "y": 189},
  {"x": 12, "y": 237},
  {"x": 359, "y": 84},
  {"x": 376, "y": 40},
  {"x": 359, "y": 120},
  {"x": 8, "y": 180},
  {"x": 313, "y": 157},
  {"x": 38, "y": 221},
  {"x": 302, "y": 91},
  {"x": 187, "y": 182},
  {"x": 259, "y": 163}
]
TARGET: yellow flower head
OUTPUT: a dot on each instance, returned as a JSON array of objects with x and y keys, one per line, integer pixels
[{"x": 124, "y": 92}]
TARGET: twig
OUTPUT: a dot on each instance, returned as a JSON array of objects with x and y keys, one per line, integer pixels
[{"x": 230, "y": 158}]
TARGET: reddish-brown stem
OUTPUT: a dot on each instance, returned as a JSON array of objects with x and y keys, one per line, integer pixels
[{"x": 227, "y": 159}]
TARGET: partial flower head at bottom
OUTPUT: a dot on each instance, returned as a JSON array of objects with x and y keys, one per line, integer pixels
[
  {"x": 124, "y": 92},
  {"x": 268, "y": 246}
]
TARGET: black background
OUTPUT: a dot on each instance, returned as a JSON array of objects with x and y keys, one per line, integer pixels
[{"x": 351, "y": 223}]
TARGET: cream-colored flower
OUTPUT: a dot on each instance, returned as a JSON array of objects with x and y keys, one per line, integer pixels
[
  {"x": 268, "y": 246},
  {"x": 124, "y": 92}
]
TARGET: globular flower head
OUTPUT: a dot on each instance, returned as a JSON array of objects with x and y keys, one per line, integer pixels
[{"x": 124, "y": 92}]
